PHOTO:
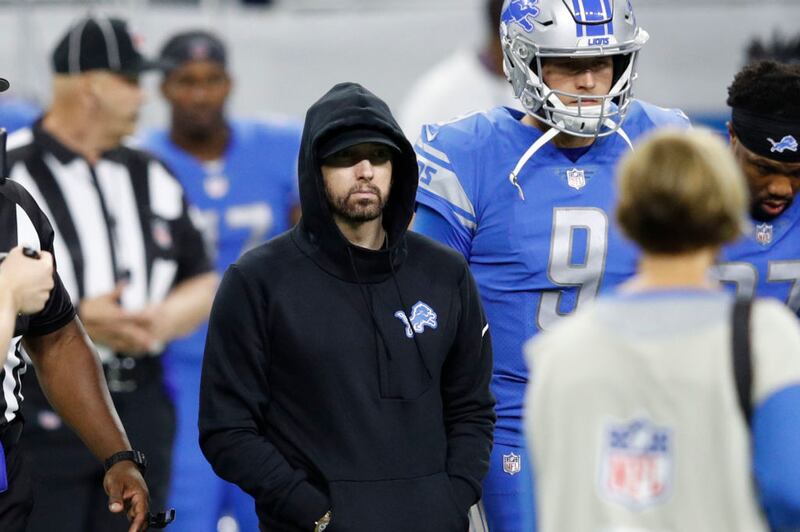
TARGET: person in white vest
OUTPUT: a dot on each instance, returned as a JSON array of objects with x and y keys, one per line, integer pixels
[{"x": 649, "y": 410}]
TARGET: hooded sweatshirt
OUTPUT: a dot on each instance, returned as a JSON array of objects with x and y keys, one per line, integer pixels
[{"x": 338, "y": 377}]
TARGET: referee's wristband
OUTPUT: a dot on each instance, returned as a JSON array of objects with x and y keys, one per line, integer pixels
[{"x": 137, "y": 457}]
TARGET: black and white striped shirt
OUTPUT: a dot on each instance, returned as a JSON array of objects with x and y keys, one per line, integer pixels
[
  {"x": 23, "y": 223},
  {"x": 123, "y": 218}
]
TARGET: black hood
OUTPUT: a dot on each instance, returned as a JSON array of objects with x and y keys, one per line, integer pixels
[{"x": 349, "y": 106}]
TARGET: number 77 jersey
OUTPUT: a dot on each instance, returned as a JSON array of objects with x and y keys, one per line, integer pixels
[
  {"x": 539, "y": 246},
  {"x": 766, "y": 261}
]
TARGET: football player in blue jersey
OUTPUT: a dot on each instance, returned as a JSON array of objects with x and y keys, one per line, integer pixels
[
  {"x": 764, "y": 131},
  {"x": 526, "y": 196},
  {"x": 241, "y": 177}
]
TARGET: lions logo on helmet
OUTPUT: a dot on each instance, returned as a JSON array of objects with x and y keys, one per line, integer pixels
[
  {"x": 523, "y": 12},
  {"x": 534, "y": 30}
]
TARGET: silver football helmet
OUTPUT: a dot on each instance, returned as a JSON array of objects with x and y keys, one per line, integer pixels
[{"x": 533, "y": 30}]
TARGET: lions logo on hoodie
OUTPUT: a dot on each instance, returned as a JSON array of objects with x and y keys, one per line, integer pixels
[{"x": 422, "y": 316}]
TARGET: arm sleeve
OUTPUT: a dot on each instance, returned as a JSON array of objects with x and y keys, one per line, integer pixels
[
  {"x": 433, "y": 225},
  {"x": 234, "y": 395},
  {"x": 776, "y": 457},
  {"x": 468, "y": 401},
  {"x": 443, "y": 190},
  {"x": 58, "y": 311},
  {"x": 776, "y": 413}
]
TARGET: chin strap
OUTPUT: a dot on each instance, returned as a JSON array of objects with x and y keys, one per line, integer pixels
[
  {"x": 621, "y": 133},
  {"x": 541, "y": 141},
  {"x": 513, "y": 177}
]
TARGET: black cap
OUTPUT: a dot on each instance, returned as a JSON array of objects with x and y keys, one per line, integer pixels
[
  {"x": 98, "y": 43},
  {"x": 196, "y": 45},
  {"x": 351, "y": 137},
  {"x": 4, "y": 84}
]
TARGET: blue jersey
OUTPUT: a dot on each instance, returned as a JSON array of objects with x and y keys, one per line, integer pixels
[
  {"x": 766, "y": 261},
  {"x": 538, "y": 248},
  {"x": 241, "y": 201}
]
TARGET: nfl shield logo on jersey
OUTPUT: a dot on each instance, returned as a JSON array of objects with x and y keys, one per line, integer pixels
[
  {"x": 216, "y": 186},
  {"x": 764, "y": 233},
  {"x": 636, "y": 463},
  {"x": 576, "y": 178},
  {"x": 512, "y": 463}
]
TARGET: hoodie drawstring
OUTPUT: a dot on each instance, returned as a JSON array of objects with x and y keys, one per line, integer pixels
[
  {"x": 371, "y": 309},
  {"x": 368, "y": 302},
  {"x": 408, "y": 318}
]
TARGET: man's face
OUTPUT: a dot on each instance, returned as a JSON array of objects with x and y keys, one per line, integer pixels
[
  {"x": 773, "y": 185},
  {"x": 197, "y": 92},
  {"x": 118, "y": 100},
  {"x": 357, "y": 181},
  {"x": 589, "y": 76}
]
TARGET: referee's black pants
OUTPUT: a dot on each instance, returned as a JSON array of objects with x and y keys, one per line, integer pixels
[
  {"x": 68, "y": 479},
  {"x": 17, "y": 501}
]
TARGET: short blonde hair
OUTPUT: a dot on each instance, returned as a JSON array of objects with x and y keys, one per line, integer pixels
[{"x": 681, "y": 191}]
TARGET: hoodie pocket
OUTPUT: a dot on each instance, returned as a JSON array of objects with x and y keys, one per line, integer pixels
[{"x": 422, "y": 504}]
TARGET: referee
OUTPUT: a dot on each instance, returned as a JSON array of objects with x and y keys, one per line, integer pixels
[
  {"x": 53, "y": 338},
  {"x": 130, "y": 258}
]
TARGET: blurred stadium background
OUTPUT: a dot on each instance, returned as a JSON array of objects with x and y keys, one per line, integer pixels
[{"x": 286, "y": 53}]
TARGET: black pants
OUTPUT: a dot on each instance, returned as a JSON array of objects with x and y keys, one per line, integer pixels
[
  {"x": 68, "y": 479},
  {"x": 16, "y": 503}
]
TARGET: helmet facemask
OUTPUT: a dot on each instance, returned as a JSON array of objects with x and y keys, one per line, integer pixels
[{"x": 523, "y": 58}]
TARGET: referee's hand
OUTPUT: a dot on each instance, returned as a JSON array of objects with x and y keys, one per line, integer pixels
[
  {"x": 127, "y": 491},
  {"x": 108, "y": 323},
  {"x": 28, "y": 280}
]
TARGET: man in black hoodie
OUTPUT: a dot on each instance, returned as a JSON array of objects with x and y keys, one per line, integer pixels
[{"x": 346, "y": 374}]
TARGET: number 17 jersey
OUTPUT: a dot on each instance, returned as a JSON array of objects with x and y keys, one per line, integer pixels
[{"x": 539, "y": 246}]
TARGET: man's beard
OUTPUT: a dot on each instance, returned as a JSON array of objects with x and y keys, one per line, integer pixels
[
  {"x": 199, "y": 130},
  {"x": 357, "y": 211}
]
